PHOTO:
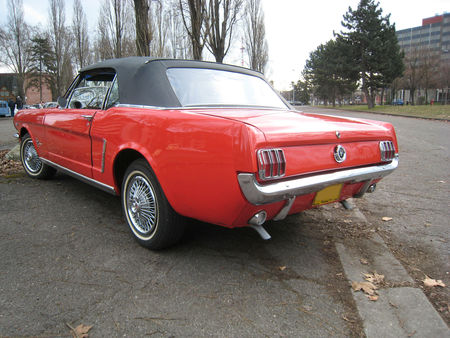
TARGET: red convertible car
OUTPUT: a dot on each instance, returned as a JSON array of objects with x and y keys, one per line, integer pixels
[{"x": 213, "y": 142}]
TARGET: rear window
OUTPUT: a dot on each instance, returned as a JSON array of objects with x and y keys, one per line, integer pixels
[{"x": 210, "y": 87}]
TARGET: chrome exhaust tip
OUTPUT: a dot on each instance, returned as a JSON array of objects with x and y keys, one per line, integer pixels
[
  {"x": 259, "y": 218},
  {"x": 256, "y": 223},
  {"x": 372, "y": 187},
  {"x": 261, "y": 231}
]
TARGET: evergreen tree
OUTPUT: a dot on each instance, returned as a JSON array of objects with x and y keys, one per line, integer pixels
[
  {"x": 375, "y": 51},
  {"x": 43, "y": 63},
  {"x": 330, "y": 72},
  {"x": 302, "y": 91}
]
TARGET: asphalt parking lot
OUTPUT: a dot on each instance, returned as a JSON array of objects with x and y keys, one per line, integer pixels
[{"x": 68, "y": 259}]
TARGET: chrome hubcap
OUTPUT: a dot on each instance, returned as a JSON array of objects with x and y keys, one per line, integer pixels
[
  {"x": 142, "y": 206},
  {"x": 31, "y": 158}
]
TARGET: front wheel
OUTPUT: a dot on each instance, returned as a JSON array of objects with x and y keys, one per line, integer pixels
[
  {"x": 149, "y": 215},
  {"x": 31, "y": 162}
]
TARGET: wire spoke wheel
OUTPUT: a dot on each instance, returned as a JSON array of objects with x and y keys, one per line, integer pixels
[
  {"x": 142, "y": 206},
  {"x": 33, "y": 165},
  {"x": 151, "y": 219},
  {"x": 30, "y": 157}
]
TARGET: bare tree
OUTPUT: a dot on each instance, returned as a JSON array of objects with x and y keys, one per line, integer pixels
[
  {"x": 429, "y": 70},
  {"x": 412, "y": 76},
  {"x": 116, "y": 22},
  {"x": 80, "y": 33},
  {"x": 143, "y": 31},
  {"x": 222, "y": 16},
  {"x": 116, "y": 36},
  {"x": 161, "y": 26},
  {"x": 15, "y": 43},
  {"x": 102, "y": 47},
  {"x": 255, "y": 36},
  {"x": 179, "y": 45},
  {"x": 444, "y": 80},
  {"x": 60, "y": 42},
  {"x": 193, "y": 14}
]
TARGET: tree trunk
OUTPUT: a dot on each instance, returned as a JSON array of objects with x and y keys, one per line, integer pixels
[
  {"x": 143, "y": 38},
  {"x": 369, "y": 98},
  {"x": 412, "y": 91},
  {"x": 382, "y": 96}
]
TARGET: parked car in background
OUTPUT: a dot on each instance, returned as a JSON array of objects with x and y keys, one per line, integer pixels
[
  {"x": 296, "y": 103},
  {"x": 4, "y": 108},
  {"x": 50, "y": 105},
  {"x": 28, "y": 106},
  {"x": 397, "y": 102},
  {"x": 213, "y": 142}
]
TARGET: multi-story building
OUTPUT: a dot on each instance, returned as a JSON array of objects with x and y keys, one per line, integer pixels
[{"x": 429, "y": 41}]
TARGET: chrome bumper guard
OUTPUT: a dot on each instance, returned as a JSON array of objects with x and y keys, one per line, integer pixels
[{"x": 258, "y": 194}]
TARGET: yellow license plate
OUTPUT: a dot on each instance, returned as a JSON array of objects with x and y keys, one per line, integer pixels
[{"x": 327, "y": 195}]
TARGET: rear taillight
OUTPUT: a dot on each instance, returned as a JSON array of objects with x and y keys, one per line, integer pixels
[
  {"x": 387, "y": 150},
  {"x": 271, "y": 163}
]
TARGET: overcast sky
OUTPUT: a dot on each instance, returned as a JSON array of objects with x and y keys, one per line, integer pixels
[{"x": 294, "y": 28}]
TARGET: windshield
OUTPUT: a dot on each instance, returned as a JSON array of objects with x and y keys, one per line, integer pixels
[{"x": 212, "y": 87}]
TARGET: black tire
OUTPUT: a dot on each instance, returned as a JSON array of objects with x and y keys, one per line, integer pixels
[
  {"x": 31, "y": 162},
  {"x": 151, "y": 219}
]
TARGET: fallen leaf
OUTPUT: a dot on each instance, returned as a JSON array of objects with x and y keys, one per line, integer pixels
[
  {"x": 307, "y": 308},
  {"x": 344, "y": 317},
  {"x": 282, "y": 268},
  {"x": 367, "y": 287},
  {"x": 374, "y": 278},
  {"x": 433, "y": 282},
  {"x": 81, "y": 331},
  {"x": 364, "y": 261},
  {"x": 387, "y": 219},
  {"x": 348, "y": 221},
  {"x": 441, "y": 181},
  {"x": 373, "y": 298}
]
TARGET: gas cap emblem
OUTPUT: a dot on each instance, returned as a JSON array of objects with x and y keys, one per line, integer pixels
[
  {"x": 340, "y": 154},
  {"x": 338, "y": 134}
]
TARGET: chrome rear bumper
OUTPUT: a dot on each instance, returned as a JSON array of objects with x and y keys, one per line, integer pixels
[{"x": 258, "y": 194}]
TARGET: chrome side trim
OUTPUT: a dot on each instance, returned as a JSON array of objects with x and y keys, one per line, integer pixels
[
  {"x": 87, "y": 117},
  {"x": 258, "y": 194},
  {"x": 127, "y": 105},
  {"x": 103, "y": 155},
  {"x": 83, "y": 178}
]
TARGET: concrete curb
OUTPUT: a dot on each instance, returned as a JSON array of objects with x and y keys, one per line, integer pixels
[
  {"x": 401, "y": 309},
  {"x": 14, "y": 153}
]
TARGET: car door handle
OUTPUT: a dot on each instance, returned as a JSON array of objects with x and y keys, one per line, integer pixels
[{"x": 87, "y": 117}]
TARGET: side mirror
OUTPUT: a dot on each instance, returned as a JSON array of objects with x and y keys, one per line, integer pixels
[{"x": 62, "y": 102}]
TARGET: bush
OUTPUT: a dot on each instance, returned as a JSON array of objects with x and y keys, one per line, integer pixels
[{"x": 421, "y": 100}]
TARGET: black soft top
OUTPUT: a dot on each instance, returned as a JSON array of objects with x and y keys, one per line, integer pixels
[{"x": 143, "y": 80}]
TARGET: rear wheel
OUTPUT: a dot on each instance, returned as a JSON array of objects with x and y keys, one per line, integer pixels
[
  {"x": 31, "y": 162},
  {"x": 149, "y": 215}
]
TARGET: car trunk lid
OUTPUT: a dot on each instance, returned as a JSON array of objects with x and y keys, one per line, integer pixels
[{"x": 288, "y": 128}]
